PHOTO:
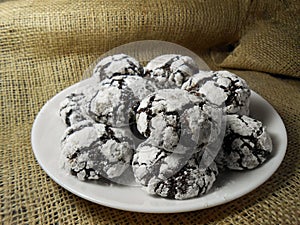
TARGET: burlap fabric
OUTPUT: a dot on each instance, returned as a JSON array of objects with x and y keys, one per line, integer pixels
[{"x": 45, "y": 46}]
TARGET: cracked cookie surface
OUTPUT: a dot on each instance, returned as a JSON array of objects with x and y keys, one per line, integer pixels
[
  {"x": 112, "y": 103},
  {"x": 153, "y": 162},
  {"x": 173, "y": 117},
  {"x": 73, "y": 108},
  {"x": 171, "y": 70},
  {"x": 246, "y": 144},
  {"x": 222, "y": 88},
  {"x": 93, "y": 151},
  {"x": 189, "y": 182},
  {"x": 119, "y": 64}
]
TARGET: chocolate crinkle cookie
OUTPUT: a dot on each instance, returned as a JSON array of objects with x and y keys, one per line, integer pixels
[
  {"x": 92, "y": 151},
  {"x": 246, "y": 144},
  {"x": 136, "y": 86},
  {"x": 151, "y": 162},
  {"x": 222, "y": 88},
  {"x": 171, "y": 70},
  {"x": 189, "y": 182},
  {"x": 118, "y": 95},
  {"x": 74, "y": 108},
  {"x": 171, "y": 118},
  {"x": 119, "y": 64}
]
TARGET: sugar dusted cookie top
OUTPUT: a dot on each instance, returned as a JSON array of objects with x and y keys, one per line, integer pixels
[
  {"x": 120, "y": 64},
  {"x": 93, "y": 151},
  {"x": 189, "y": 182},
  {"x": 222, "y": 88},
  {"x": 171, "y": 70},
  {"x": 112, "y": 103},
  {"x": 153, "y": 162},
  {"x": 170, "y": 117},
  {"x": 246, "y": 143},
  {"x": 74, "y": 108},
  {"x": 136, "y": 85}
]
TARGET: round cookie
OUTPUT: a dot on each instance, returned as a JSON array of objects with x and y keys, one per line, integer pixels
[
  {"x": 189, "y": 182},
  {"x": 171, "y": 70},
  {"x": 73, "y": 108},
  {"x": 246, "y": 144},
  {"x": 94, "y": 151},
  {"x": 113, "y": 102},
  {"x": 172, "y": 118},
  {"x": 151, "y": 162},
  {"x": 222, "y": 88},
  {"x": 119, "y": 64},
  {"x": 138, "y": 86}
]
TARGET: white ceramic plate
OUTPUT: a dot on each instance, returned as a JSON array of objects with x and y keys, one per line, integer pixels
[{"x": 48, "y": 129}]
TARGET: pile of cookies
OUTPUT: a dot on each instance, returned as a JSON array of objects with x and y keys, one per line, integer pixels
[{"x": 172, "y": 125}]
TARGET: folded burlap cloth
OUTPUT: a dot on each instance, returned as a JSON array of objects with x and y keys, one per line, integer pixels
[{"x": 45, "y": 46}]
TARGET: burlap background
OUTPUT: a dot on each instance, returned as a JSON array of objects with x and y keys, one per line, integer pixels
[{"x": 45, "y": 46}]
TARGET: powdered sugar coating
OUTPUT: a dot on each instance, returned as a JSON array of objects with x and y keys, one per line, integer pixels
[
  {"x": 73, "y": 108},
  {"x": 171, "y": 70},
  {"x": 221, "y": 88},
  {"x": 113, "y": 102},
  {"x": 172, "y": 117},
  {"x": 152, "y": 162},
  {"x": 246, "y": 144},
  {"x": 93, "y": 151},
  {"x": 119, "y": 64},
  {"x": 137, "y": 86},
  {"x": 189, "y": 182}
]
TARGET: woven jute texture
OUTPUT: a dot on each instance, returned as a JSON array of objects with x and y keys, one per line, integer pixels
[{"x": 45, "y": 46}]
